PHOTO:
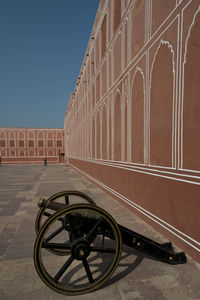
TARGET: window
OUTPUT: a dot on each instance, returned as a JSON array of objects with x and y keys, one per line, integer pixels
[
  {"x": 12, "y": 143},
  {"x": 50, "y": 143},
  {"x": 21, "y": 143},
  {"x": 59, "y": 143},
  {"x": 31, "y": 143},
  {"x": 2, "y": 143},
  {"x": 40, "y": 143}
]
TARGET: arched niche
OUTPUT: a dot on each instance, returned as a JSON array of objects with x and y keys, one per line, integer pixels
[
  {"x": 137, "y": 118},
  {"x": 125, "y": 105},
  {"x": 12, "y": 153},
  {"x": 40, "y": 135},
  {"x": 125, "y": 131},
  {"x": 161, "y": 106},
  {"x": 93, "y": 96},
  {"x": 117, "y": 127},
  {"x": 2, "y": 135},
  {"x": 90, "y": 137},
  {"x": 21, "y": 135},
  {"x": 117, "y": 56},
  {"x": 93, "y": 137},
  {"x": 191, "y": 101},
  {"x": 110, "y": 132},
  {"x": 98, "y": 134},
  {"x": 31, "y": 135},
  {"x": 85, "y": 139},
  {"x": 21, "y": 153},
  {"x": 31, "y": 153},
  {"x": 138, "y": 26},
  {"x": 12, "y": 136},
  {"x": 50, "y": 153},
  {"x": 104, "y": 133}
]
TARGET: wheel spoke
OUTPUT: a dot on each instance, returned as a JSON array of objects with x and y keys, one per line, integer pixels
[
  {"x": 51, "y": 236},
  {"x": 103, "y": 240},
  {"x": 56, "y": 246},
  {"x": 67, "y": 199},
  {"x": 46, "y": 214},
  {"x": 64, "y": 268},
  {"x": 88, "y": 272},
  {"x": 102, "y": 250},
  {"x": 92, "y": 231}
]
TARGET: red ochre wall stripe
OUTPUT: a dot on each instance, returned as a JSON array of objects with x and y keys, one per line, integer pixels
[
  {"x": 168, "y": 219},
  {"x": 132, "y": 122}
]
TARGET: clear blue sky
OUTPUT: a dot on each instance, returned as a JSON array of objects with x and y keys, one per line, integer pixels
[{"x": 42, "y": 45}]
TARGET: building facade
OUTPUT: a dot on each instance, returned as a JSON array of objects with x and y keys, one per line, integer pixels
[
  {"x": 132, "y": 124},
  {"x": 31, "y": 145}
]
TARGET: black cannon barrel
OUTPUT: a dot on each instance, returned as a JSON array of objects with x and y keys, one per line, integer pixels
[{"x": 50, "y": 204}]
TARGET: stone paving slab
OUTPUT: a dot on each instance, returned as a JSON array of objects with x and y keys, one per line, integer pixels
[{"x": 136, "y": 277}]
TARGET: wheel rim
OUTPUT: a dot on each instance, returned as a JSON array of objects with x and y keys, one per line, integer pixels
[{"x": 88, "y": 263}]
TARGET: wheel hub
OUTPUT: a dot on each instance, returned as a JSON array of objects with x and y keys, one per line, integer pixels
[{"x": 80, "y": 250}]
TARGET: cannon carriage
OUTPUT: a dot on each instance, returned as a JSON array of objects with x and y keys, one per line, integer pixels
[{"x": 79, "y": 245}]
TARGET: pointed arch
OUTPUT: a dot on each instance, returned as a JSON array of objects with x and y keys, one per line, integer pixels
[
  {"x": 12, "y": 136},
  {"x": 98, "y": 140},
  {"x": 161, "y": 106},
  {"x": 104, "y": 132},
  {"x": 137, "y": 26},
  {"x": 117, "y": 56},
  {"x": 21, "y": 135},
  {"x": 93, "y": 137},
  {"x": 117, "y": 126},
  {"x": 191, "y": 103},
  {"x": 110, "y": 131},
  {"x": 125, "y": 105},
  {"x": 41, "y": 153},
  {"x": 21, "y": 153},
  {"x": 89, "y": 138},
  {"x": 50, "y": 136},
  {"x": 2, "y": 135},
  {"x": 93, "y": 96},
  {"x": 126, "y": 131},
  {"x": 137, "y": 117}
]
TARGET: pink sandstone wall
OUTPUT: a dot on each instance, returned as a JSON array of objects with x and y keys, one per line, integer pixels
[
  {"x": 133, "y": 121},
  {"x": 31, "y": 145}
]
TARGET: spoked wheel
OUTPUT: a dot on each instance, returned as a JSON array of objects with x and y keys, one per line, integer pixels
[
  {"x": 65, "y": 197},
  {"x": 92, "y": 242}
]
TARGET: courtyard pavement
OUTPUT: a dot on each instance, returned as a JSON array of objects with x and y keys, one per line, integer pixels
[{"x": 136, "y": 277}]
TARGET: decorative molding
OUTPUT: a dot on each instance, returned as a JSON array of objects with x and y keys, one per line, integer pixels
[
  {"x": 183, "y": 73},
  {"x": 162, "y": 42}
]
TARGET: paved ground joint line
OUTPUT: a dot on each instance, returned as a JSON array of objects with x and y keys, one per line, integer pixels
[{"x": 135, "y": 278}]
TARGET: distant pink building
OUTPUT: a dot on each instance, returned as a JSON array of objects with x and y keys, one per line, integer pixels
[{"x": 31, "y": 145}]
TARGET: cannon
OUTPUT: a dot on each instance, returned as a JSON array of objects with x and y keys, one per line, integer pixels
[{"x": 78, "y": 244}]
